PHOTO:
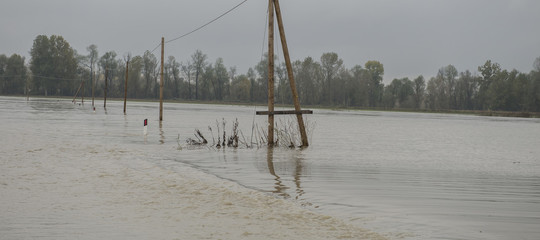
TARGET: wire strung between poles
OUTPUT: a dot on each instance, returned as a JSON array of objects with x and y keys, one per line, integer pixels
[{"x": 208, "y": 23}]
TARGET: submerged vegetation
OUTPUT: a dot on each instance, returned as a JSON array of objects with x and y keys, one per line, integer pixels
[
  {"x": 55, "y": 69},
  {"x": 286, "y": 135}
]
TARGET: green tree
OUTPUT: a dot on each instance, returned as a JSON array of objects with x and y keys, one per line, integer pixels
[
  {"x": 187, "y": 70},
  {"x": 134, "y": 78},
  {"x": 488, "y": 71},
  {"x": 13, "y": 74},
  {"x": 309, "y": 76},
  {"x": 358, "y": 88},
  {"x": 251, "y": 75},
  {"x": 284, "y": 94},
  {"x": 109, "y": 64},
  {"x": 398, "y": 93},
  {"x": 240, "y": 89},
  {"x": 3, "y": 64},
  {"x": 207, "y": 83},
  {"x": 173, "y": 81},
  {"x": 466, "y": 90},
  {"x": 150, "y": 73},
  {"x": 375, "y": 86},
  {"x": 519, "y": 89},
  {"x": 498, "y": 92},
  {"x": 448, "y": 75},
  {"x": 533, "y": 99},
  {"x": 92, "y": 59},
  {"x": 198, "y": 59},
  {"x": 331, "y": 65},
  {"x": 221, "y": 78},
  {"x": 419, "y": 89},
  {"x": 260, "y": 86},
  {"x": 436, "y": 98},
  {"x": 53, "y": 65}
]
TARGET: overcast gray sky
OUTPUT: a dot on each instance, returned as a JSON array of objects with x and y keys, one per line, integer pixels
[{"x": 410, "y": 37}]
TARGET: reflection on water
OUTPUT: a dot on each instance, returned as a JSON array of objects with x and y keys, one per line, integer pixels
[
  {"x": 161, "y": 135},
  {"x": 280, "y": 188}
]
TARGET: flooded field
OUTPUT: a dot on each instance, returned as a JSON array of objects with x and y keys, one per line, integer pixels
[{"x": 68, "y": 172}]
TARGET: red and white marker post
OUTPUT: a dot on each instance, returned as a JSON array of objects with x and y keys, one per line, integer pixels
[{"x": 145, "y": 131}]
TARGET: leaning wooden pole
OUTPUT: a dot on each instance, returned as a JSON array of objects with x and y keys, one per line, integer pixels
[
  {"x": 161, "y": 80},
  {"x": 77, "y": 93},
  {"x": 126, "y": 85},
  {"x": 301, "y": 125},
  {"x": 270, "y": 72}
]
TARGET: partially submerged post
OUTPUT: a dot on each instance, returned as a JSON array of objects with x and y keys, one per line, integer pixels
[
  {"x": 93, "y": 108},
  {"x": 82, "y": 94},
  {"x": 270, "y": 73},
  {"x": 126, "y": 85},
  {"x": 105, "y": 90},
  {"x": 301, "y": 125},
  {"x": 273, "y": 5},
  {"x": 27, "y": 90},
  {"x": 161, "y": 81}
]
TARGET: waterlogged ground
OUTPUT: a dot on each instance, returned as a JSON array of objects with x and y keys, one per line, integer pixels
[{"x": 67, "y": 172}]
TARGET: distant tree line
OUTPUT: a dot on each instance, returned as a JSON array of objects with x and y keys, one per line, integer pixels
[{"x": 56, "y": 69}]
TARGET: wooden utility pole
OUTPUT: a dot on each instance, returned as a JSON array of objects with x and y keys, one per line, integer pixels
[
  {"x": 270, "y": 72},
  {"x": 273, "y": 5},
  {"x": 301, "y": 125},
  {"x": 82, "y": 95},
  {"x": 105, "y": 90},
  {"x": 27, "y": 90},
  {"x": 126, "y": 86},
  {"x": 161, "y": 80},
  {"x": 93, "y": 91}
]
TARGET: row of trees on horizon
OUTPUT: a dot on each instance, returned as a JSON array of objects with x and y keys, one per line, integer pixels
[{"x": 56, "y": 69}]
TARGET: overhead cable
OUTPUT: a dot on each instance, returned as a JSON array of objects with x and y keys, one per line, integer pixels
[{"x": 208, "y": 23}]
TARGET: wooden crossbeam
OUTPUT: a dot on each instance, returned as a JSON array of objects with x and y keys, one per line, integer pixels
[{"x": 284, "y": 112}]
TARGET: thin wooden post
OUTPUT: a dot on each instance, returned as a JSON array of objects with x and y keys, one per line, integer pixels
[
  {"x": 82, "y": 94},
  {"x": 126, "y": 86},
  {"x": 161, "y": 80},
  {"x": 105, "y": 90},
  {"x": 301, "y": 125},
  {"x": 27, "y": 90},
  {"x": 93, "y": 108},
  {"x": 270, "y": 72}
]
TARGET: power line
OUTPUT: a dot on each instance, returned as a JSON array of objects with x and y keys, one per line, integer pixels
[
  {"x": 208, "y": 23},
  {"x": 155, "y": 48},
  {"x": 264, "y": 35}
]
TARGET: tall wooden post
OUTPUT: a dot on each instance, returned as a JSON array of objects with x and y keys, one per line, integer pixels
[
  {"x": 82, "y": 95},
  {"x": 93, "y": 91},
  {"x": 27, "y": 91},
  {"x": 270, "y": 72},
  {"x": 161, "y": 80},
  {"x": 105, "y": 90},
  {"x": 126, "y": 85},
  {"x": 301, "y": 125}
]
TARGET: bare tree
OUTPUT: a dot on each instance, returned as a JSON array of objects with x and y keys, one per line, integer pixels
[
  {"x": 187, "y": 69},
  {"x": 199, "y": 63}
]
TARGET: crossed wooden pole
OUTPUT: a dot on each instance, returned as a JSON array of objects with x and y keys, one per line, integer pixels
[{"x": 273, "y": 5}]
